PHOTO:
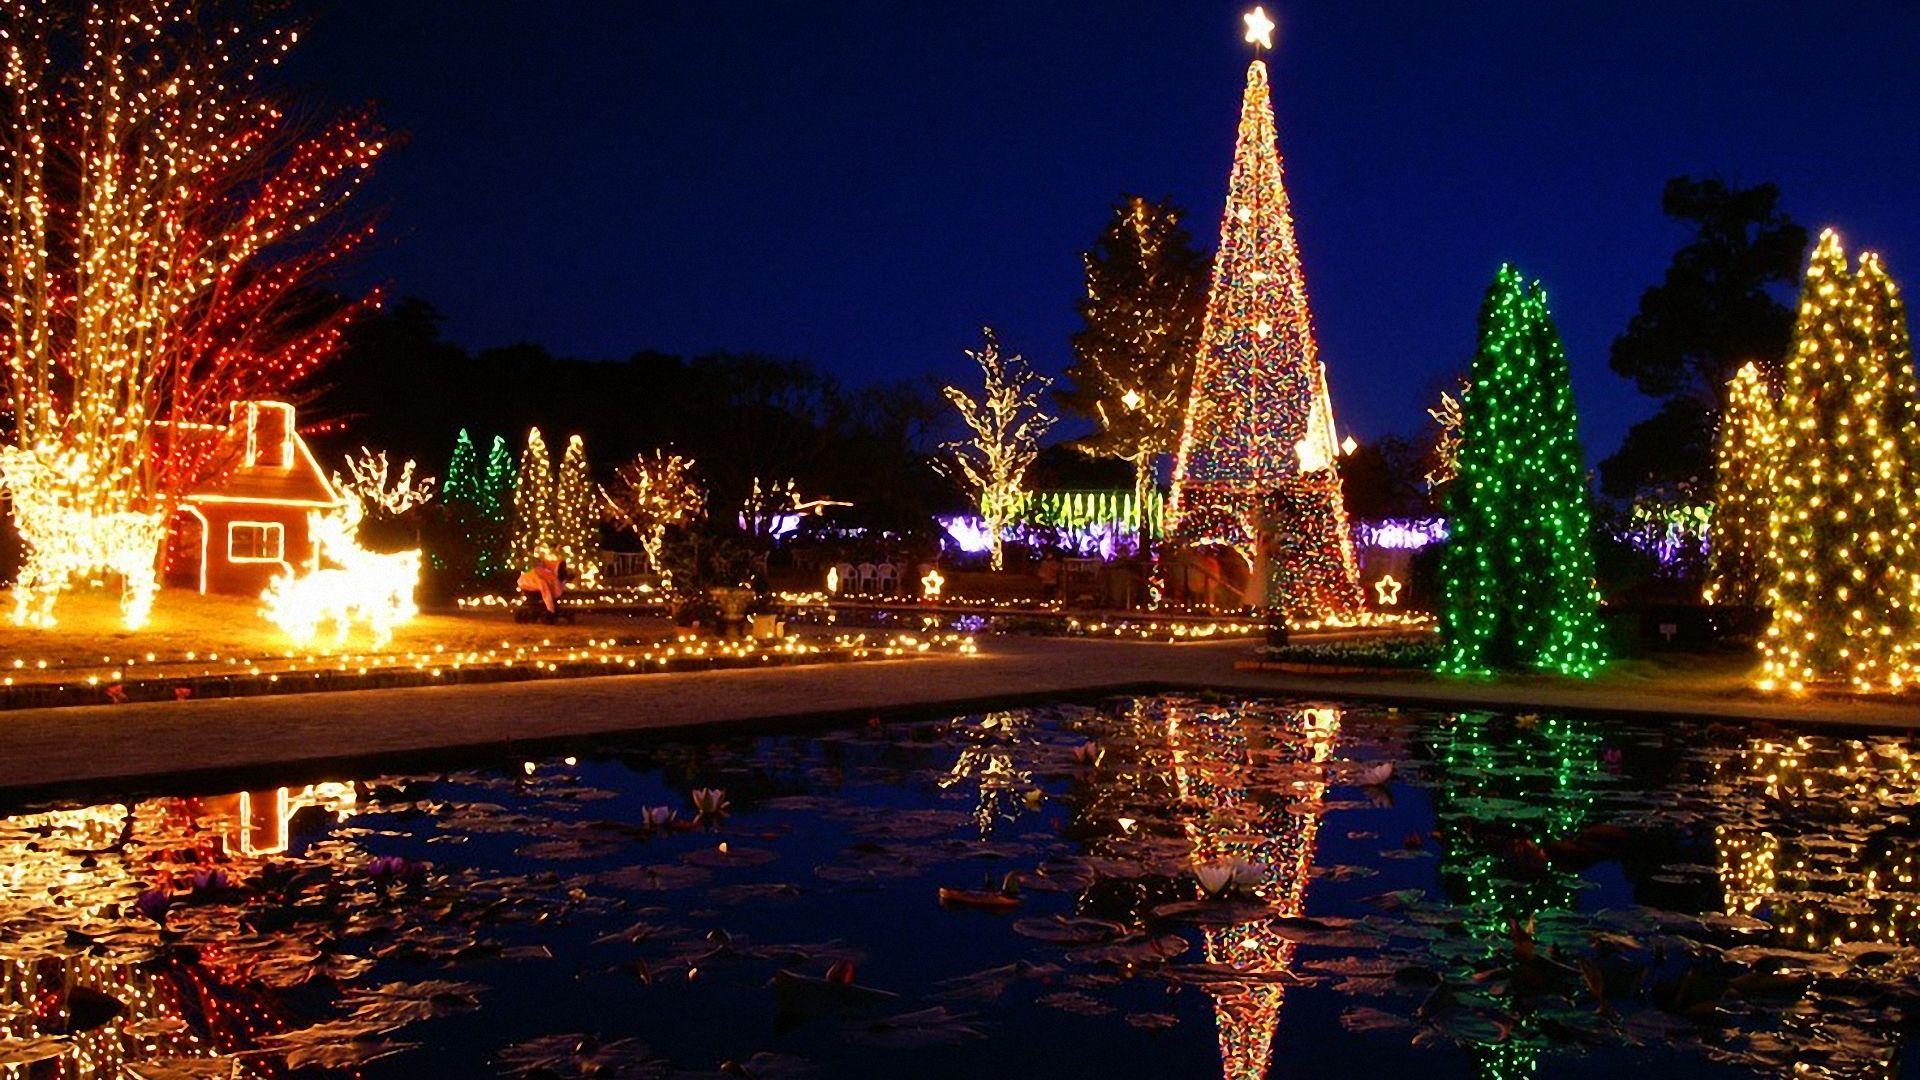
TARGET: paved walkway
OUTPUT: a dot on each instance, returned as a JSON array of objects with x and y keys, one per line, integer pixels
[{"x": 135, "y": 742}]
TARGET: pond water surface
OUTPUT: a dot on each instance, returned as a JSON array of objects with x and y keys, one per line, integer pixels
[{"x": 1168, "y": 886}]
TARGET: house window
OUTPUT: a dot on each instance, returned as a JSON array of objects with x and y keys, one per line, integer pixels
[{"x": 255, "y": 541}]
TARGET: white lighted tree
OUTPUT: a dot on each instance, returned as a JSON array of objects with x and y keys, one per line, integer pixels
[
  {"x": 532, "y": 535},
  {"x": 366, "y": 482},
  {"x": 651, "y": 493},
  {"x": 1007, "y": 424},
  {"x": 160, "y": 225},
  {"x": 576, "y": 517}
]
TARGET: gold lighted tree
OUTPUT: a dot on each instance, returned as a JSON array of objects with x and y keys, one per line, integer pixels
[{"x": 1007, "y": 424}]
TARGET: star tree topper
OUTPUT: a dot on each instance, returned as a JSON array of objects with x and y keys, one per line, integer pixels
[{"x": 1259, "y": 28}]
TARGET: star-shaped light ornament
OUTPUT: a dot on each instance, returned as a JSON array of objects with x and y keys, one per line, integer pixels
[
  {"x": 931, "y": 585},
  {"x": 1259, "y": 28},
  {"x": 1387, "y": 590}
]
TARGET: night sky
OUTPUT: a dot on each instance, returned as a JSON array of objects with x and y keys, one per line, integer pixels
[{"x": 864, "y": 185}]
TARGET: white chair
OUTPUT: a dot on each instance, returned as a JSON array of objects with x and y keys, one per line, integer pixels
[
  {"x": 869, "y": 579},
  {"x": 843, "y": 577},
  {"x": 887, "y": 577}
]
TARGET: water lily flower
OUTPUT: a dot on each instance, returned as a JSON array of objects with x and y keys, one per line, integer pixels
[
  {"x": 1090, "y": 754},
  {"x": 211, "y": 879},
  {"x": 710, "y": 802},
  {"x": 1246, "y": 873},
  {"x": 1376, "y": 775},
  {"x": 386, "y": 869},
  {"x": 1215, "y": 878},
  {"x": 153, "y": 903},
  {"x": 657, "y": 817}
]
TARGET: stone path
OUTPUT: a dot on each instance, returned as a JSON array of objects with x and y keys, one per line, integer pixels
[{"x": 141, "y": 742}]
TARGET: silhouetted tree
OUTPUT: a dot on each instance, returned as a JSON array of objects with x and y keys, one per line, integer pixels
[{"x": 1716, "y": 310}]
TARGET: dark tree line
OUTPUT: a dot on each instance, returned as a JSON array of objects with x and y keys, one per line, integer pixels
[{"x": 400, "y": 386}]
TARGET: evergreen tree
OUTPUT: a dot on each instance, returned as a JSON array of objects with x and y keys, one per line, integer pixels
[
  {"x": 496, "y": 503},
  {"x": 1517, "y": 571},
  {"x": 1742, "y": 494},
  {"x": 532, "y": 536},
  {"x": 1714, "y": 311},
  {"x": 576, "y": 518},
  {"x": 1845, "y": 589},
  {"x": 1133, "y": 357},
  {"x": 460, "y": 495}
]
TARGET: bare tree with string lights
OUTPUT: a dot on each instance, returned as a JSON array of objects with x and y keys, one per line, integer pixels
[
  {"x": 1007, "y": 424},
  {"x": 164, "y": 236}
]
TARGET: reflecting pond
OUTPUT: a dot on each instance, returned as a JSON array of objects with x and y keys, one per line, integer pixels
[{"x": 1141, "y": 887}]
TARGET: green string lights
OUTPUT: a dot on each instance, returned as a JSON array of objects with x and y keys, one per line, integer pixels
[{"x": 1517, "y": 572}]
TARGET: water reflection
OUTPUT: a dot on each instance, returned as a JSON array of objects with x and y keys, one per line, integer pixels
[
  {"x": 1550, "y": 895},
  {"x": 1505, "y": 791},
  {"x": 90, "y": 981},
  {"x": 1264, "y": 829},
  {"x": 1818, "y": 840}
]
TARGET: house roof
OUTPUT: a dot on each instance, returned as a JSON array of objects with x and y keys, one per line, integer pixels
[{"x": 261, "y": 479}]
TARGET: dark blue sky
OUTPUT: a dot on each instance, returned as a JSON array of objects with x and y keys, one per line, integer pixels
[{"x": 865, "y": 184}]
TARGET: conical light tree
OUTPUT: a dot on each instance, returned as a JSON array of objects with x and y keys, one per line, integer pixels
[
  {"x": 1007, "y": 424},
  {"x": 532, "y": 536},
  {"x": 1517, "y": 571},
  {"x": 1743, "y": 485},
  {"x": 496, "y": 504},
  {"x": 576, "y": 514},
  {"x": 462, "y": 487},
  {"x": 1258, "y": 451},
  {"x": 1845, "y": 590},
  {"x": 460, "y": 495}
]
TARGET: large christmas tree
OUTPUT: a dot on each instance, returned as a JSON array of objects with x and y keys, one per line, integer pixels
[
  {"x": 1256, "y": 466},
  {"x": 1517, "y": 571},
  {"x": 1845, "y": 582}
]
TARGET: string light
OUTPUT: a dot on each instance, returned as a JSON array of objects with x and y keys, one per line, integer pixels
[
  {"x": 1845, "y": 559},
  {"x": 1517, "y": 572},
  {"x": 366, "y": 482},
  {"x": 1743, "y": 485},
  {"x": 532, "y": 536},
  {"x": 1007, "y": 424},
  {"x": 1258, "y": 441},
  {"x": 160, "y": 218},
  {"x": 576, "y": 517},
  {"x": 348, "y": 584},
  {"x": 648, "y": 495}
]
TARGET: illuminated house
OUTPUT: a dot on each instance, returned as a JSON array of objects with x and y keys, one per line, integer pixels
[{"x": 235, "y": 532}]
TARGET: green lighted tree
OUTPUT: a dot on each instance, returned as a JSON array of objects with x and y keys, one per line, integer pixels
[
  {"x": 496, "y": 500},
  {"x": 460, "y": 499},
  {"x": 1133, "y": 356},
  {"x": 1517, "y": 572}
]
